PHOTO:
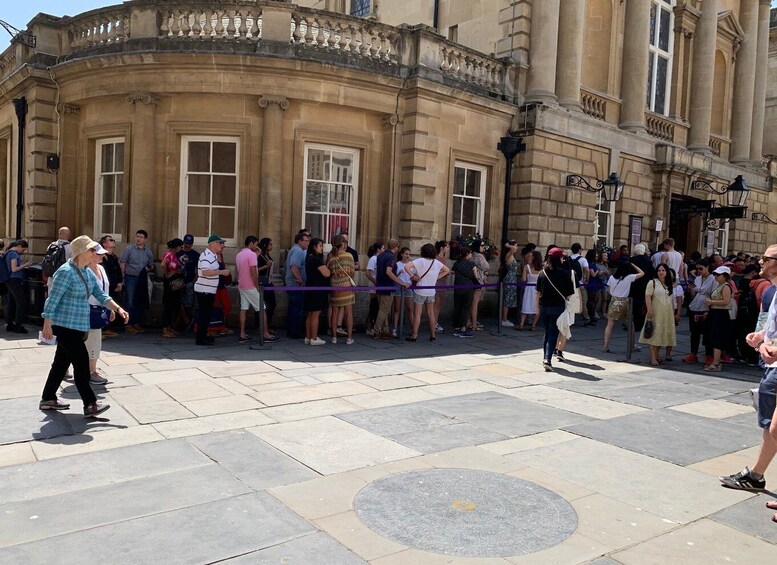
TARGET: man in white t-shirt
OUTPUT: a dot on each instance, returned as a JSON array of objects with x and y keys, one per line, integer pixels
[
  {"x": 765, "y": 342},
  {"x": 206, "y": 285},
  {"x": 585, "y": 268},
  {"x": 674, "y": 259}
]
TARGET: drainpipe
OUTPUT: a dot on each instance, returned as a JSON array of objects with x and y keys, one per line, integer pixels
[
  {"x": 436, "y": 17},
  {"x": 20, "y": 105}
]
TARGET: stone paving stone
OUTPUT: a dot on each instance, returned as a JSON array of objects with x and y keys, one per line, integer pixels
[
  {"x": 223, "y": 405},
  {"x": 747, "y": 419},
  {"x": 389, "y": 397},
  {"x": 196, "y": 534},
  {"x": 418, "y": 557},
  {"x": 607, "y": 382},
  {"x": 306, "y": 550},
  {"x": 239, "y": 369},
  {"x": 21, "y": 386},
  {"x": 234, "y": 387},
  {"x": 251, "y": 460},
  {"x": 671, "y": 436},
  {"x": 392, "y": 382},
  {"x": 398, "y": 419},
  {"x": 16, "y": 454},
  {"x": 716, "y": 409},
  {"x": 321, "y": 497},
  {"x": 660, "y": 395},
  {"x": 329, "y": 445},
  {"x": 473, "y": 458},
  {"x": 604, "y": 561},
  {"x": 89, "y": 442},
  {"x": 305, "y": 410},
  {"x": 504, "y": 414},
  {"x": 350, "y": 531},
  {"x": 705, "y": 541},
  {"x": 446, "y": 437},
  {"x": 375, "y": 370},
  {"x": 584, "y": 404},
  {"x": 194, "y": 390},
  {"x": 460, "y": 388},
  {"x": 314, "y": 392},
  {"x": 682, "y": 495},
  {"x": 515, "y": 445},
  {"x": 172, "y": 376},
  {"x": 139, "y": 394},
  {"x": 733, "y": 463},
  {"x": 751, "y": 517},
  {"x": 566, "y": 489},
  {"x": 370, "y": 474},
  {"x": 56, "y": 476},
  {"x": 21, "y": 420},
  {"x": 215, "y": 423},
  {"x": 117, "y": 502},
  {"x": 159, "y": 411}
]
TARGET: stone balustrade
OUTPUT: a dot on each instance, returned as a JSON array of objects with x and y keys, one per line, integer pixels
[
  {"x": 468, "y": 66},
  {"x": 222, "y": 22},
  {"x": 720, "y": 146},
  {"x": 659, "y": 126},
  {"x": 99, "y": 28},
  {"x": 7, "y": 62},
  {"x": 593, "y": 104}
]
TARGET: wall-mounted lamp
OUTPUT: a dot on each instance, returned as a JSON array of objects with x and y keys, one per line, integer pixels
[
  {"x": 611, "y": 187},
  {"x": 759, "y": 217},
  {"x": 736, "y": 193}
]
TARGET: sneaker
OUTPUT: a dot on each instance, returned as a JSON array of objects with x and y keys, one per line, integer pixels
[
  {"x": 271, "y": 338},
  {"x": 439, "y": 328},
  {"x": 466, "y": 334},
  {"x": 334, "y": 339},
  {"x": 456, "y": 333},
  {"x": 726, "y": 359},
  {"x": 96, "y": 379},
  {"x": 370, "y": 332},
  {"x": 341, "y": 332},
  {"x": 394, "y": 332},
  {"x": 317, "y": 341},
  {"x": 53, "y": 405},
  {"x": 743, "y": 481},
  {"x": 349, "y": 341},
  {"x": 691, "y": 358},
  {"x": 507, "y": 324},
  {"x": 307, "y": 341},
  {"x": 95, "y": 409},
  {"x": 559, "y": 355},
  {"x": 547, "y": 366},
  {"x": 713, "y": 368},
  {"x": 244, "y": 339},
  {"x": 69, "y": 377},
  {"x": 708, "y": 360}
]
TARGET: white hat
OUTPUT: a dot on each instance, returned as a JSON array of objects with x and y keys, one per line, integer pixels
[
  {"x": 100, "y": 250},
  {"x": 722, "y": 270}
]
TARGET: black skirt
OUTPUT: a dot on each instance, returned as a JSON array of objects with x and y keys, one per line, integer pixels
[{"x": 721, "y": 329}]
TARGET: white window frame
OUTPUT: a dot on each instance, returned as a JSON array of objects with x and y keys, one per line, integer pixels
[
  {"x": 370, "y": 12},
  {"x": 720, "y": 239},
  {"x": 98, "y": 199},
  {"x": 481, "y": 212},
  {"x": 608, "y": 208},
  {"x": 184, "y": 184},
  {"x": 668, "y": 55},
  {"x": 352, "y": 216}
]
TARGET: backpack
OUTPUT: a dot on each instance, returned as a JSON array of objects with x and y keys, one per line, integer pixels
[
  {"x": 577, "y": 269},
  {"x": 748, "y": 305},
  {"x": 54, "y": 258},
  {"x": 5, "y": 270}
]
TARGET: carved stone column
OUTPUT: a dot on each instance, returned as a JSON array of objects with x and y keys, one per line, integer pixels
[
  {"x": 635, "y": 66},
  {"x": 744, "y": 83},
  {"x": 271, "y": 177},
  {"x": 541, "y": 85},
  {"x": 703, "y": 78},
  {"x": 71, "y": 211},
  {"x": 143, "y": 193},
  {"x": 759, "y": 96},
  {"x": 570, "y": 53}
]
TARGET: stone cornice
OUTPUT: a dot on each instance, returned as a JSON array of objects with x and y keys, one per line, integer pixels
[
  {"x": 280, "y": 101},
  {"x": 145, "y": 98},
  {"x": 69, "y": 109}
]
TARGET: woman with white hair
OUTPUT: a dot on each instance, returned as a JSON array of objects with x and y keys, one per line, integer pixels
[{"x": 66, "y": 315}]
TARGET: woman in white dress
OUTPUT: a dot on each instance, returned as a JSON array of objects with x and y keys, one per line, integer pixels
[
  {"x": 95, "y": 340},
  {"x": 529, "y": 305}
]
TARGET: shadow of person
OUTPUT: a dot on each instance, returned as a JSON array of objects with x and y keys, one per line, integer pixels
[
  {"x": 54, "y": 424},
  {"x": 574, "y": 374}
]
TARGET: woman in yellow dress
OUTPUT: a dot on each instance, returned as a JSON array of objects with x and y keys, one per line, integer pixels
[
  {"x": 342, "y": 267},
  {"x": 659, "y": 299}
]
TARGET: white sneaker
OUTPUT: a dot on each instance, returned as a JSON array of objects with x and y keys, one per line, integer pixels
[
  {"x": 507, "y": 324},
  {"x": 307, "y": 341},
  {"x": 394, "y": 333},
  {"x": 334, "y": 339},
  {"x": 349, "y": 341},
  {"x": 341, "y": 332},
  {"x": 317, "y": 341},
  {"x": 439, "y": 329}
]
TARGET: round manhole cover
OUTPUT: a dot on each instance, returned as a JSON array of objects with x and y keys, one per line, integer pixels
[{"x": 468, "y": 513}]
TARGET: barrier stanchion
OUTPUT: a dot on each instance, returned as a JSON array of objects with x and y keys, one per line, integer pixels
[
  {"x": 401, "y": 328},
  {"x": 260, "y": 326},
  {"x": 501, "y": 290},
  {"x": 630, "y": 331}
]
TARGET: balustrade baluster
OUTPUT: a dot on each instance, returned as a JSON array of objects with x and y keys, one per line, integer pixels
[
  {"x": 175, "y": 25},
  {"x": 353, "y": 46},
  {"x": 208, "y": 24},
  {"x": 219, "y": 28},
  {"x": 164, "y": 28},
  {"x": 197, "y": 24},
  {"x": 374, "y": 47},
  {"x": 229, "y": 15},
  {"x": 243, "y": 30},
  {"x": 186, "y": 25},
  {"x": 308, "y": 32},
  {"x": 320, "y": 37},
  {"x": 343, "y": 41},
  {"x": 255, "y": 24}
]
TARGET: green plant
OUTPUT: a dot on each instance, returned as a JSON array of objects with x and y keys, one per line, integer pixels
[{"x": 490, "y": 249}]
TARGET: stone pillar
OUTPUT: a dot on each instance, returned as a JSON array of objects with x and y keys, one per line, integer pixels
[
  {"x": 635, "y": 66},
  {"x": 744, "y": 83},
  {"x": 570, "y": 53},
  {"x": 759, "y": 96},
  {"x": 541, "y": 86},
  {"x": 703, "y": 78},
  {"x": 71, "y": 211},
  {"x": 142, "y": 191},
  {"x": 271, "y": 177}
]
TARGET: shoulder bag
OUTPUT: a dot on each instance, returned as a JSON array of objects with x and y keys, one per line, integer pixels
[
  {"x": 351, "y": 282},
  {"x": 426, "y": 272},
  {"x": 99, "y": 316},
  {"x": 573, "y": 302}
]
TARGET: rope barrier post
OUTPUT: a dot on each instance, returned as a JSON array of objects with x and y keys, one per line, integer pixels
[
  {"x": 401, "y": 328},
  {"x": 261, "y": 316},
  {"x": 499, "y": 310},
  {"x": 630, "y": 326}
]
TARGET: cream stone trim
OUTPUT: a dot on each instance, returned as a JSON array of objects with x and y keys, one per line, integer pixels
[
  {"x": 280, "y": 101},
  {"x": 69, "y": 109},
  {"x": 145, "y": 98}
]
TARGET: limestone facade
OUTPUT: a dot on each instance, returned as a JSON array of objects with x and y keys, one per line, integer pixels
[{"x": 190, "y": 116}]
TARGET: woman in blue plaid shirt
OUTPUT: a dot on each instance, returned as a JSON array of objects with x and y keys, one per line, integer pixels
[{"x": 66, "y": 315}]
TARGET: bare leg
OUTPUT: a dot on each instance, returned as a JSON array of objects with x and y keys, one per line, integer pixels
[
  {"x": 397, "y": 305},
  {"x": 432, "y": 319},
  {"x": 608, "y": 333},
  {"x": 522, "y": 321},
  {"x": 416, "y": 318},
  {"x": 348, "y": 318},
  {"x": 242, "y": 320}
]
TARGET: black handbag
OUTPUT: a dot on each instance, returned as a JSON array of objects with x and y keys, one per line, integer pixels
[
  {"x": 647, "y": 331},
  {"x": 99, "y": 317}
]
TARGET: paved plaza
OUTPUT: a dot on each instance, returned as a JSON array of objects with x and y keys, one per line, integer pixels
[{"x": 462, "y": 451}]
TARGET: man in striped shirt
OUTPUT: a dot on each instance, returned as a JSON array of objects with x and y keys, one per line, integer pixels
[{"x": 206, "y": 285}]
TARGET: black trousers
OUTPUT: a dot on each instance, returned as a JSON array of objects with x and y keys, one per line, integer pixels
[
  {"x": 462, "y": 301},
  {"x": 17, "y": 304},
  {"x": 699, "y": 332},
  {"x": 205, "y": 302},
  {"x": 71, "y": 350}
]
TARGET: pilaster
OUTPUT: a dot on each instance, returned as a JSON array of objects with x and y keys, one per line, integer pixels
[{"x": 271, "y": 177}]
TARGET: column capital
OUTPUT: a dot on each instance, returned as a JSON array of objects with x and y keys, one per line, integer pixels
[
  {"x": 391, "y": 120},
  {"x": 69, "y": 109},
  {"x": 280, "y": 101},
  {"x": 142, "y": 97}
]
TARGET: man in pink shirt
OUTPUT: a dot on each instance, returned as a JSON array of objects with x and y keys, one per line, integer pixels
[{"x": 248, "y": 286}]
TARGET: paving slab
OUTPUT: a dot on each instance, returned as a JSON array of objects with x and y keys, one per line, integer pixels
[
  {"x": 57, "y": 476},
  {"x": 716, "y": 409},
  {"x": 751, "y": 517},
  {"x": 661, "y": 394},
  {"x": 398, "y": 419},
  {"x": 305, "y": 550},
  {"x": 16, "y": 454},
  {"x": 251, "y": 460},
  {"x": 443, "y": 438},
  {"x": 587, "y": 405},
  {"x": 158, "y": 411},
  {"x": 670, "y": 435},
  {"x": 88, "y": 442},
  {"x": 330, "y": 445},
  {"x": 216, "y": 423},
  {"x": 70, "y": 512},
  {"x": 190, "y": 535},
  {"x": 313, "y": 409},
  {"x": 322, "y": 496},
  {"x": 223, "y": 405},
  {"x": 21, "y": 420}
]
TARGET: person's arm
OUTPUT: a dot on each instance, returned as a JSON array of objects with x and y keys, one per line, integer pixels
[
  {"x": 324, "y": 270},
  {"x": 254, "y": 276},
  {"x": 640, "y": 272},
  {"x": 16, "y": 267},
  {"x": 214, "y": 272},
  {"x": 393, "y": 277},
  {"x": 649, "y": 299},
  {"x": 525, "y": 274},
  {"x": 297, "y": 274}
]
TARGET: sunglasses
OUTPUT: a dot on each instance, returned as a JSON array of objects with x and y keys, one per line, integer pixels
[{"x": 766, "y": 259}]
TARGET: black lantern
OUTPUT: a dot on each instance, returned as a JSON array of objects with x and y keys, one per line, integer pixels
[
  {"x": 736, "y": 193},
  {"x": 611, "y": 187},
  {"x": 510, "y": 146}
]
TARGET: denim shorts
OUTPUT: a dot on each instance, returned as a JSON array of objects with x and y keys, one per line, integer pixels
[
  {"x": 767, "y": 398},
  {"x": 418, "y": 299},
  {"x": 408, "y": 293}
]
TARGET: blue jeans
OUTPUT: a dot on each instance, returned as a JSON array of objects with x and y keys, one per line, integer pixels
[
  {"x": 130, "y": 285},
  {"x": 766, "y": 397},
  {"x": 294, "y": 315},
  {"x": 549, "y": 316}
]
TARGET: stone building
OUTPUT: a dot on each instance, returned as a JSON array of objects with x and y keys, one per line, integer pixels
[{"x": 249, "y": 116}]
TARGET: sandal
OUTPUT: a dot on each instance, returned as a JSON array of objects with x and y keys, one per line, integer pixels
[
  {"x": 409, "y": 338},
  {"x": 713, "y": 368}
]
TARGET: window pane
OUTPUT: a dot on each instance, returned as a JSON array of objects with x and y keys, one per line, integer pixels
[
  {"x": 661, "y": 80},
  {"x": 473, "y": 183},
  {"x": 469, "y": 209},
  {"x": 663, "y": 34},
  {"x": 604, "y": 221},
  {"x": 224, "y": 191},
  {"x": 456, "y": 210},
  {"x": 106, "y": 158},
  {"x": 342, "y": 165},
  {"x": 119, "y": 186},
  {"x": 224, "y": 157},
  {"x": 337, "y": 225},
  {"x": 118, "y": 219},
  {"x": 223, "y": 222},
  {"x": 315, "y": 197},
  {"x": 458, "y": 181},
  {"x": 339, "y": 199},
  {"x": 107, "y": 189},
  {"x": 199, "y": 189},
  {"x": 360, "y": 7},
  {"x": 315, "y": 223},
  {"x": 197, "y": 222},
  {"x": 118, "y": 162},
  {"x": 107, "y": 220},
  {"x": 650, "y": 81},
  {"x": 653, "y": 24},
  {"x": 317, "y": 164},
  {"x": 199, "y": 156}
]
